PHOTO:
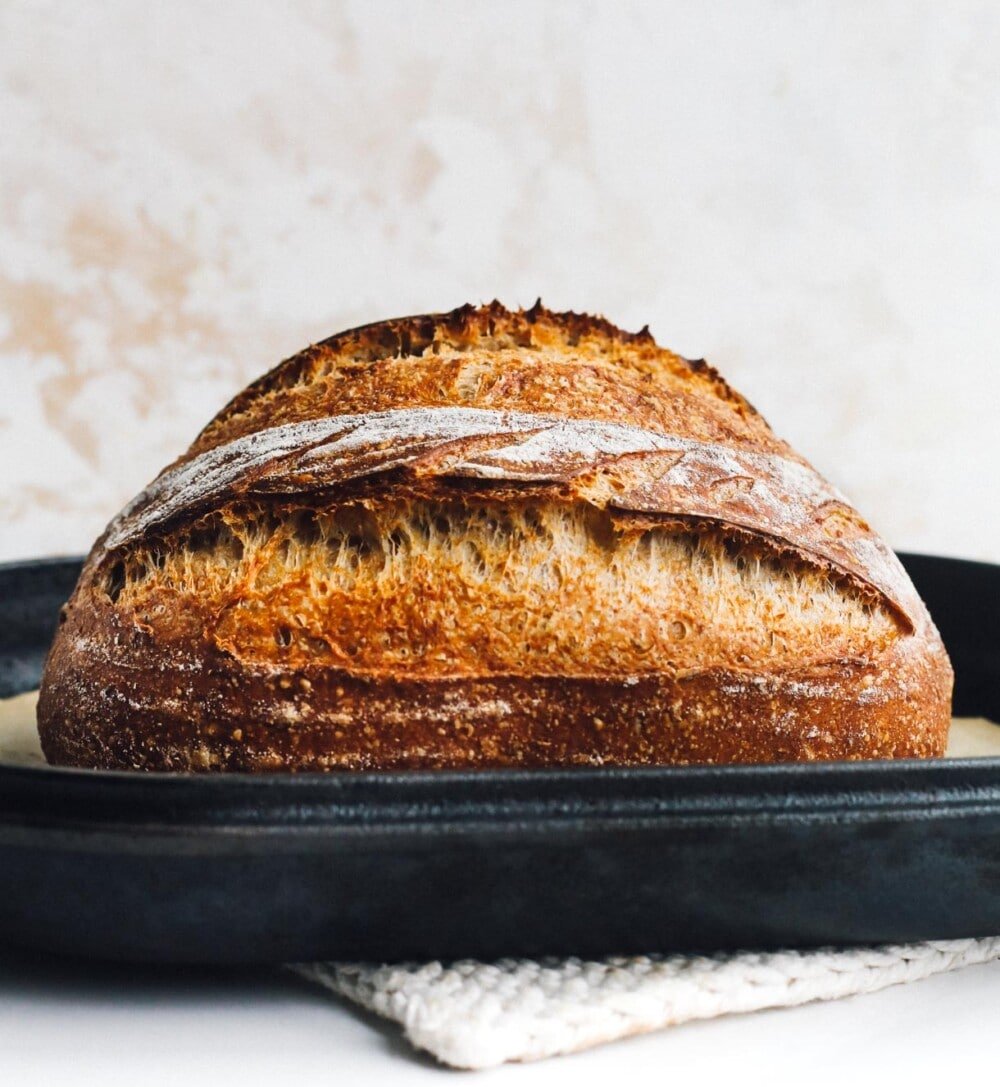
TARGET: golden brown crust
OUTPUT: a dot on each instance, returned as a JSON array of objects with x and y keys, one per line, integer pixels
[
  {"x": 460, "y": 588},
  {"x": 532, "y": 360},
  {"x": 253, "y": 610},
  {"x": 203, "y": 711}
]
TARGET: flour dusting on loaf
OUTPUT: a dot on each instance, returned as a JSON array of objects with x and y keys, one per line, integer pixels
[{"x": 490, "y": 538}]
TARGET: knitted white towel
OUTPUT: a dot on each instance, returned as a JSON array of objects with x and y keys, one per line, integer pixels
[{"x": 478, "y": 1015}]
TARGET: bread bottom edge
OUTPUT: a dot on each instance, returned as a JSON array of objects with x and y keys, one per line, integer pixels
[{"x": 322, "y": 721}]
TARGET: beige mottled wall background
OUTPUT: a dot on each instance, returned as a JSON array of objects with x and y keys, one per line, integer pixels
[{"x": 808, "y": 194}]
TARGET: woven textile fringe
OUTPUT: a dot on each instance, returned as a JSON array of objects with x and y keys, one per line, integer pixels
[{"x": 479, "y": 1015}]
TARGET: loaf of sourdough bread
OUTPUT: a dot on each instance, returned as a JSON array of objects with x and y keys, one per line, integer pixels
[{"x": 490, "y": 538}]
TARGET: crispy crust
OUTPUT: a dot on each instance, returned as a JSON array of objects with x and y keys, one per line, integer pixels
[
  {"x": 620, "y": 365},
  {"x": 492, "y": 406},
  {"x": 238, "y": 718}
]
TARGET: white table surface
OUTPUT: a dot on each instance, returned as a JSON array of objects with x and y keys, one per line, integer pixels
[{"x": 73, "y": 1022}]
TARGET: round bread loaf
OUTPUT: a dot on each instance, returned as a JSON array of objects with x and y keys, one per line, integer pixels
[{"x": 490, "y": 538}]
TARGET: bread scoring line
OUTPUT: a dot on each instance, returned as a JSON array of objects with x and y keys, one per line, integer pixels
[
  {"x": 542, "y": 439},
  {"x": 787, "y": 496}
]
